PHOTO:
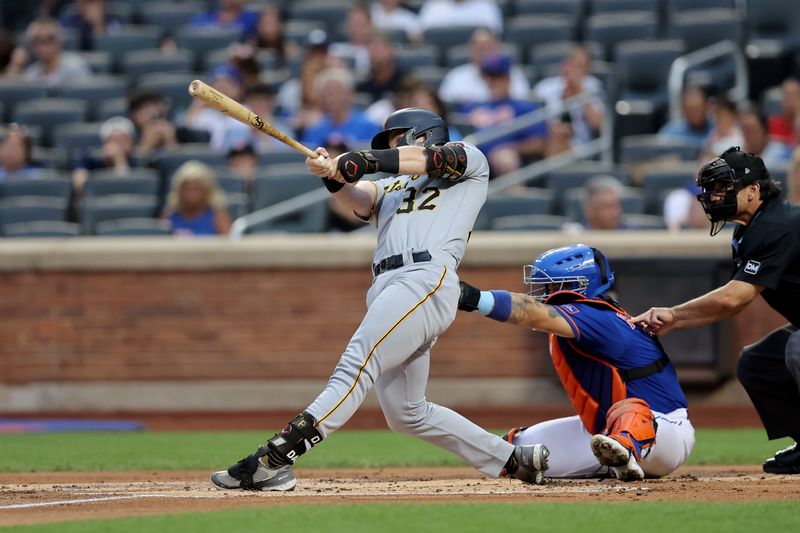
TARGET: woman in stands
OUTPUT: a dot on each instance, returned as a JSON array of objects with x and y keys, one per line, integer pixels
[{"x": 196, "y": 205}]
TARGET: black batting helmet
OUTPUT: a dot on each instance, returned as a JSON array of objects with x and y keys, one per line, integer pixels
[{"x": 415, "y": 122}]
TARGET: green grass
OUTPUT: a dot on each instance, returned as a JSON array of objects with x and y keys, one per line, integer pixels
[
  {"x": 345, "y": 449},
  {"x": 464, "y": 518}
]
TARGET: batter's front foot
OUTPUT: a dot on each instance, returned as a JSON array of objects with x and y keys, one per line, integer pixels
[{"x": 252, "y": 474}]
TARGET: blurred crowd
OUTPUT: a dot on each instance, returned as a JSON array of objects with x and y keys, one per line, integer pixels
[{"x": 333, "y": 86}]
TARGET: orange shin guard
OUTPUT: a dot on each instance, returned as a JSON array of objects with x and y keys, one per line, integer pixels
[{"x": 632, "y": 420}]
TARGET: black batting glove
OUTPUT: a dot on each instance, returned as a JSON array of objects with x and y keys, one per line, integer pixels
[{"x": 470, "y": 296}]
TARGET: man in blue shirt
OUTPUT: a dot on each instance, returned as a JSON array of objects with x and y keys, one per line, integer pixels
[{"x": 631, "y": 412}]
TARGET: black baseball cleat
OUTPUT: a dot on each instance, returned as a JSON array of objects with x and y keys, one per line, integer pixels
[
  {"x": 252, "y": 474},
  {"x": 786, "y": 461},
  {"x": 530, "y": 463}
]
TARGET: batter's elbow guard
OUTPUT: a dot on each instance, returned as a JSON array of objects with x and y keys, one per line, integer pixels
[
  {"x": 469, "y": 298},
  {"x": 354, "y": 165},
  {"x": 448, "y": 161}
]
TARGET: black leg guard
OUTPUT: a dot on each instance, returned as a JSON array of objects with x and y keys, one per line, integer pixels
[{"x": 293, "y": 441}]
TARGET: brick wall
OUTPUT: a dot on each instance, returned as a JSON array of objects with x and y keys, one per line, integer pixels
[
  {"x": 245, "y": 324},
  {"x": 253, "y": 324}
]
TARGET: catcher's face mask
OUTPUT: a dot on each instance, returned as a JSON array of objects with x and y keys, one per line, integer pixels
[{"x": 541, "y": 285}]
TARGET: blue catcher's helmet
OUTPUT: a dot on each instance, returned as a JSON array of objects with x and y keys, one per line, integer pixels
[{"x": 578, "y": 268}]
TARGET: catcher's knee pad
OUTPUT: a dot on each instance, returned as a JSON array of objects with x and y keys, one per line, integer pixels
[
  {"x": 632, "y": 418},
  {"x": 293, "y": 441}
]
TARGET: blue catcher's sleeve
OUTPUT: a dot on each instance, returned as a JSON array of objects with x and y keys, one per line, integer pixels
[{"x": 595, "y": 329}]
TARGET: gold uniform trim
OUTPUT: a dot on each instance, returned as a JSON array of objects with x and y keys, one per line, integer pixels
[{"x": 372, "y": 351}]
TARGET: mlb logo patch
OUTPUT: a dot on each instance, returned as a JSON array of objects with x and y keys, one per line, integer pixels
[
  {"x": 752, "y": 267},
  {"x": 571, "y": 309}
]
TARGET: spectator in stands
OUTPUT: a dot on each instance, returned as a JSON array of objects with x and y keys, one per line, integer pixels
[
  {"x": 230, "y": 14},
  {"x": 726, "y": 132},
  {"x": 781, "y": 126},
  {"x": 15, "y": 155},
  {"x": 464, "y": 84},
  {"x": 154, "y": 131},
  {"x": 116, "y": 152},
  {"x": 354, "y": 51},
  {"x": 575, "y": 78},
  {"x": 196, "y": 204},
  {"x": 341, "y": 219},
  {"x": 695, "y": 125},
  {"x": 228, "y": 80},
  {"x": 559, "y": 136},
  {"x": 243, "y": 161},
  {"x": 384, "y": 73},
  {"x": 392, "y": 15},
  {"x": 7, "y": 47},
  {"x": 91, "y": 20},
  {"x": 270, "y": 35},
  {"x": 755, "y": 129},
  {"x": 793, "y": 189},
  {"x": 422, "y": 95},
  {"x": 260, "y": 99},
  {"x": 399, "y": 98},
  {"x": 602, "y": 206},
  {"x": 52, "y": 67},
  {"x": 334, "y": 87},
  {"x": 479, "y": 13},
  {"x": 297, "y": 99},
  {"x": 511, "y": 151}
]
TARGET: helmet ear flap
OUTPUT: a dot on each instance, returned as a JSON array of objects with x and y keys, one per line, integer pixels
[{"x": 600, "y": 261}]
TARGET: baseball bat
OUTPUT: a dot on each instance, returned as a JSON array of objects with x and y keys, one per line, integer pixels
[{"x": 232, "y": 108}]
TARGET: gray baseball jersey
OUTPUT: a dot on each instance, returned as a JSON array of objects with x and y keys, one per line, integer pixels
[{"x": 423, "y": 227}]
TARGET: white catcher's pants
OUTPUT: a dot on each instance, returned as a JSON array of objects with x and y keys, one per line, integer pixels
[{"x": 571, "y": 453}]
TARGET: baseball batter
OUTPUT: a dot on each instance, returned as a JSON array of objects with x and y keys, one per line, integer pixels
[
  {"x": 632, "y": 419},
  {"x": 424, "y": 214}
]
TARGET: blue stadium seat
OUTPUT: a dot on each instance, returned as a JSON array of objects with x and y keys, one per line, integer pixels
[
  {"x": 173, "y": 86},
  {"x": 168, "y": 163},
  {"x": 643, "y": 222},
  {"x": 94, "y": 91},
  {"x": 203, "y": 40},
  {"x": 279, "y": 183},
  {"x": 77, "y": 138},
  {"x": 576, "y": 175},
  {"x": 643, "y": 68},
  {"x": 100, "y": 209},
  {"x": 125, "y": 39},
  {"x": 331, "y": 13},
  {"x": 530, "y": 31},
  {"x": 573, "y": 9},
  {"x": 615, "y": 6},
  {"x": 41, "y": 229},
  {"x": 49, "y": 113},
  {"x": 19, "y": 209},
  {"x": 446, "y": 37},
  {"x": 238, "y": 204},
  {"x": 138, "y": 181},
  {"x": 532, "y": 202},
  {"x": 642, "y": 148},
  {"x": 138, "y": 62},
  {"x": 13, "y": 93},
  {"x": 99, "y": 61},
  {"x": 773, "y": 28},
  {"x": 133, "y": 227},
  {"x": 50, "y": 185},
  {"x": 169, "y": 16},
  {"x": 458, "y": 55},
  {"x": 610, "y": 29},
  {"x": 631, "y": 198},
  {"x": 658, "y": 182},
  {"x": 409, "y": 58},
  {"x": 529, "y": 223}
]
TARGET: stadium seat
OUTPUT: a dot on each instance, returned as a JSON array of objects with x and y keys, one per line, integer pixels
[
  {"x": 658, "y": 182},
  {"x": 77, "y": 138},
  {"x": 121, "y": 11},
  {"x": 573, "y": 9},
  {"x": 169, "y": 16},
  {"x": 141, "y": 182},
  {"x": 609, "y": 29},
  {"x": 94, "y": 91},
  {"x": 409, "y": 58},
  {"x": 114, "y": 207},
  {"x": 283, "y": 182},
  {"x": 458, "y": 55},
  {"x": 133, "y": 227},
  {"x": 32, "y": 209},
  {"x": 614, "y": 6},
  {"x": 632, "y": 202},
  {"x": 41, "y": 229},
  {"x": 643, "y": 222},
  {"x": 643, "y": 148},
  {"x": 50, "y": 184},
  {"x": 529, "y": 223},
  {"x": 431, "y": 76},
  {"x": 531, "y": 202},
  {"x": 280, "y": 158},
  {"x": 111, "y": 108},
  {"x": 138, "y": 62},
  {"x": 773, "y": 28},
  {"x": 13, "y": 93},
  {"x": 172, "y": 86},
  {"x": 203, "y": 40},
  {"x": 677, "y": 6},
  {"x": 576, "y": 175},
  {"x": 530, "y": 31},
  {"x": 296, "y": 31},
  {"x": 49, "y": 113},
  {"x": 699, "y": 28},
  {"x": 168, "y": 163},
  {"x": 50, "y": 158},
  {"x": 229, "y": 182},
  {"x": 446, "y": 37},
  {"x": 125, "y": 39},
  {"x": 267, "y": 59},
  {"x": 237, "y": 203},
  {"x": 99, "y": 61},
  {"x": 331, "y": 13},
  {"x": 643, "y": 69}
]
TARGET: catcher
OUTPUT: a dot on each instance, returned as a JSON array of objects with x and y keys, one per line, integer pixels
[{"x": 631, "y": 417}]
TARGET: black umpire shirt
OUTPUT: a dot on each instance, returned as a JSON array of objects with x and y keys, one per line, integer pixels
[{"x": 766, "y": 252}]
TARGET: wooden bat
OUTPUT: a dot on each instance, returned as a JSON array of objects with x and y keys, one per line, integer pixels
[{"x": 232, "y": 108}]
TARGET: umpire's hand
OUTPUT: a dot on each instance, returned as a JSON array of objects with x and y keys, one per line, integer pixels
[{"x": 656, "y": 320}]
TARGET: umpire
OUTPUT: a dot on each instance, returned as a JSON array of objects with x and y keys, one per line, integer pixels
[{"x": 736, "y": 187}]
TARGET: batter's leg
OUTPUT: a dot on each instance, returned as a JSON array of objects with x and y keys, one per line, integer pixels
[
  {"x": 412, "y": 309},
  {"x": 401, "y": 392}
]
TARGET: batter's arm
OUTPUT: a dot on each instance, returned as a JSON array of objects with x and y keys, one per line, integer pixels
[{"x": 713, "y": 306}]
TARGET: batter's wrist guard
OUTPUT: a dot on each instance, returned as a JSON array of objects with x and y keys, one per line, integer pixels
[
  {"x": 293, "y": 441},
  {"x": 470, "y": 296},
  {"x": 332, "y": 185},
  {"x": 448, "y": 161},
  {"x": 354, "y": 165}
]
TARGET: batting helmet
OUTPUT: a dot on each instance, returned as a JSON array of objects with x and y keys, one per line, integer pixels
[
  {"x": 415, "y": 122},
  {"x": 578, "y": 268},
  {"x": 725, "y": 176}
]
